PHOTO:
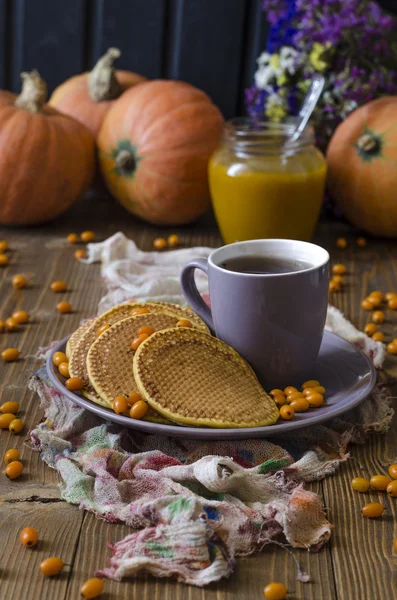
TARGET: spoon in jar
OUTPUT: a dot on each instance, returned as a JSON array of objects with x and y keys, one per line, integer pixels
[{"x": 308, "y": 105}]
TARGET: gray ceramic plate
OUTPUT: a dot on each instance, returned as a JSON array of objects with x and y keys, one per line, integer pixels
[{"x": 346, "y": 373}]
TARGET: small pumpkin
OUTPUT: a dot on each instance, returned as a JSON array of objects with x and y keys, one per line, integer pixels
[
  {"x": 154, "y": 146},
  {"x": 362, "y": 167},
  {"x": 47, "y": 159},
  {"x": 87, "y": 97}
]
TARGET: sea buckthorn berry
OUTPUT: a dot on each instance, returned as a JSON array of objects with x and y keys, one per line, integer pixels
[
  {"x": 391, "y": 296},
  {"x": 361, "y": 242},
  {"x": 393, "y": 471},
  {"x": 19, "y": 282},
  {"x": 287, "y": 412},
  {"x": 13, "y": 470},
  {"x": 173, "y": 240},
  {"x": 333, "y": 286},
  {"x": 29, "y": 536},
  {"x": 16, "y": 426},
  {"x": 392, "y": 348},
  {"x": 379, "y": 482},
  {"x": 374, "y": 301},
  {"x": 74, "y": 384},
  {"x": 11, "y": 324},
  {"x": 58, "y": 358},
  {"x": 2, "y": 326},
  {"x": 184, "y": 323},
  {"x": 339, "y": 269},
  {"x": 102, "y": 329},
  {"x": 392, "y": 304},
  {"x": 20, "y": 316},
  {"x": 377, "y": 294},
  {"x": 146, "y": 329},
  {"x": 140, "y": 311},
  {"x": 10, "y": 407},
  {"x": 360, "y": 484},
  {"x": 275, "y": 591},
  {"x": 3, "y": 246},
  {"x": 290, "y": 390},
  {"x": 392, "y": 488},
  {"x": 136, "y": 342},
  {"x": 295, "y": 396},
  {"x": 3, "y": 260},
  {"x": 300, "y": 405},
  {"x": 139, "y": 409},
  {"x": 378, "y": 316},
  {"x": 92, "y": 588},
  {"x": 72, "y": 238},
  {"x": 134, "y": 397},
  {"x": 87, "y": 236},
  {"x": 10, "y": 354},
  {"x": 378, "y": 336},
  {"x": 341, "y": 243},
  {"x": 395, "y": 545},
  {"x": 318, "y": 389},
  {"x": 373, "y": 510},
  {"x": 64, "y": 307},
  {"x": 310, "y": 383},
  {"x": 6, "y": 419},
  {"x": 366, "y": 304},
  {"x": 280, "y": 400},
  {"x": 11, "y": 455},
  {"x": 64, "y": 369},
  {"x": 277, "y": 392},
  {"x": 370, "y": 329},
  {"x": 120, "y": 405},
  {"x": 159, "y": 243},
  {"x": 315, "y": 400},
  {"x": 58, "y": 286},
  {"x": 80, "y": 254},
  {"x": 338, "y": 279},
  {"x": 51, "y": 566}
]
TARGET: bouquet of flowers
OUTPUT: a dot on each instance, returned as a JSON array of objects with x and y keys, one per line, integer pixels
[{"x": 349, "y": 41}]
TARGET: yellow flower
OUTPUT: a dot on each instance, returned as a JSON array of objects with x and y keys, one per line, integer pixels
[
  {"x": 282, "y": 79},
  {"x": 318, "y": 57},
  {"x": 275, "y": 112},
  {"x": 274, "y": 61}
]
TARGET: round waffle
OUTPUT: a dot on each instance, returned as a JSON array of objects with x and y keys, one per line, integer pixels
[
  {"x": 195, "y": 379},
  {"x": 76, "y": 336},
  {"x": 110, "y": 358}
]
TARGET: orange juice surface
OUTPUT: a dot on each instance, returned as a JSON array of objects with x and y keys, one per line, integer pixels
[{"x": 267, "y": 197}]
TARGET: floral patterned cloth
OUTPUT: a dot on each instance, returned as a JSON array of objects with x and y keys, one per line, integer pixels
[{"x": 194, "y": 506}]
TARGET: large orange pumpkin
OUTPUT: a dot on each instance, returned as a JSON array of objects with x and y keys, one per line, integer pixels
[
  {"x": 47, "y": 159},
  {"x": 88, "y": 97},
  {"x": 362, "y": 167},
  {"x": 154, "y": 147}
]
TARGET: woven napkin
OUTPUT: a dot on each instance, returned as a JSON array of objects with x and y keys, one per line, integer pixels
[{"x": 194, "y": 506}]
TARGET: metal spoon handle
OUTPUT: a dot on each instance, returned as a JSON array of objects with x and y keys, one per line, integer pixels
[{"x": 308, "y": 105}]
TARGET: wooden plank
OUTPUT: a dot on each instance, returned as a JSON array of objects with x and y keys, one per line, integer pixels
[
  {"x": 136, "y": 27},
  {"x": 206, "y": 48},
  {"x": 3, "y": 44},
  {"x": 48, "y": 36},
  {"x": 58, "y": 526}
]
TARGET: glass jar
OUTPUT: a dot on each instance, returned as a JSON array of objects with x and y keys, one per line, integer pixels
[{"x": 264, "y": 187}]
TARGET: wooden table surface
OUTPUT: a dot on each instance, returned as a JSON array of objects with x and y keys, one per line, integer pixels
[{"x": 357, "y": 563}]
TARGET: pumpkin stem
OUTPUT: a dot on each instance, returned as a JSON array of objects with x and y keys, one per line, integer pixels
[
  {"x": 125, "y": 162},
  {"x": 102, "y": 81},
  {"x": 34, "y": 92},
  {"x": 368, "y": 143}
]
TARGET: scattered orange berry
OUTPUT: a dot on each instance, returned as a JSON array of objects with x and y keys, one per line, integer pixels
[
  {"x": 64, "y": 307},
  {"x": 146, "y": 329},
  {"x": 280, "y": 400},
  {"x": 315, "y": 400},
  {"x": 74, "y": 384},
  {"x": 134, "y": 397},
  {"x": 290, "y": 389},
  {"x": 20, "y": 316},
  {"x": 378, "y": 316},
  {"x": 338, "y": 279},
  {"x": 3, "y": 246},
  {"x": 333, "y": 286},
  {"x": 184, "y": 323},
  {"x": 275, "y": 591},
  {"x": 10, "y": 407},
  {"x": 16, "y": 426},
  {"x": 392, "y": 304},
  {"x": 64, "y": 369},
  {"x": 393, "y": 471},
  {"x": 339, "y": 269},
  {"x": 51, "y": 566},
  {"x": 11, "y": 324},
  {"x": 3, "y": 260},
  {"x": 103, "y": 328},
  {"x": 379, "y": 482},
  {"x": 136, "y": 342},
  {"x": 378, "y": 336},
  {"x": 92, "y": 588},
  {"x": 373, "y": 510},
  {"x": 87, "y": 236},
  {"x": 173, "y": 240},
  {"x": 287, "y": 412},
  {"x": 391, "y": 296},
  {"x": 395, "y": 545},
  {"x": 14, "y": 469},
  {"x": 29, "y": 536},
  {"x": 160, "y": 243},
  {"x": 295, "y": 396},
  {"x": 341, "y": 243},
  {"x": 370, "y": 329},
  {"x": 360, "y": 484},
  {"x": 80, "y": 254},
  {"x": 377, "y": 294},
  {"x": 58, "y": 286},
  {"x": 300, "y": 405},
  {"x": 10, "y": 354},
  {"x": 72, "y": 238},
  {"x": 19, "y": 282},
  {"x": 392, "y": 348},
  {"x": 139, "y": 409},
  {"x": 277, "y": 392},
  {"x": 392, "y": 488},
  {"x": 366, "y": 304},
  {"x": 11, "y": 455},
  {"x": 374, "y": 301},
  {"x": 6, "y": 419},
  {"x": 310, "y": 383},
  {"x": 120, "y": 405},
  {"x": 58, "y": 358},
  {"x": 361, "y": 241},
  {"x": 2, "y": 326}
]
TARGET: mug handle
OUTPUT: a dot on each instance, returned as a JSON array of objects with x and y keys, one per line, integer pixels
[{"x": 191, "y": 293}]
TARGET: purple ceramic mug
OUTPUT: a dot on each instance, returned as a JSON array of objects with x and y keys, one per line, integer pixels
[{"x": 276, "y": 320}]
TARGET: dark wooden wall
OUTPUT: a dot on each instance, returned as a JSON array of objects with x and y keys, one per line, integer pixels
[{"x": 210, "y": 43}]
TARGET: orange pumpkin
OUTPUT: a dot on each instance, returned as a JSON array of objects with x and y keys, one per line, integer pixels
[
  {"x": 154, "y": 147},
  {"x": 88, "y": 97},
  {"x": 47, "y": 159},
  {"x": 362, "y": 167}
]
